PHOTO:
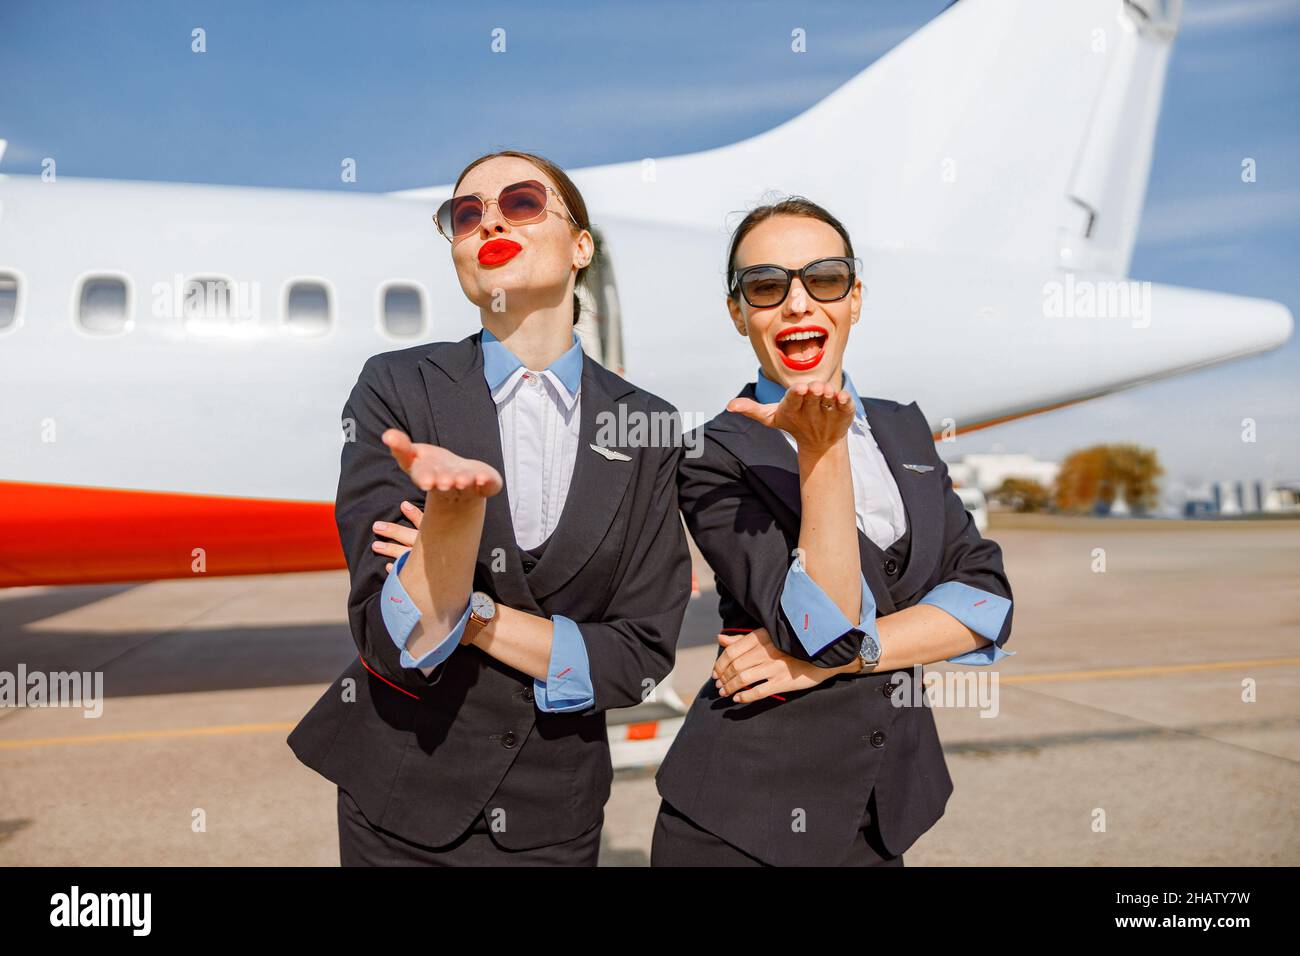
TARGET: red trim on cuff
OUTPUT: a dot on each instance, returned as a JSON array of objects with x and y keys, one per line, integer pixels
[{"x": 385, "y": 679}]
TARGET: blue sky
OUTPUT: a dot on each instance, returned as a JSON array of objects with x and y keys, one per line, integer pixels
[{"x": 112, "y": 90}]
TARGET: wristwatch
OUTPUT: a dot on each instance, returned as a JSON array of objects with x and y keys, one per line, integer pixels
[
  {"x": 482, "y": 609},
  {"x": 869, "y": 652}
]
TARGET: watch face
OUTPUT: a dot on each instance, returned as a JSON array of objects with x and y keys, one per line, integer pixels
[
  {"x": 870, "y": 651},
  {"x": 482, "y": 606}
]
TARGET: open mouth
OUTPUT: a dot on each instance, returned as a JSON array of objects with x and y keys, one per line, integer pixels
[
  {"x": 801, "y": 347},
  {"x": 496, "y": 251}
]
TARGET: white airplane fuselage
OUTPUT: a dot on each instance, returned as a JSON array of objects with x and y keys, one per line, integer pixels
[{"x": 995, "y": 239}]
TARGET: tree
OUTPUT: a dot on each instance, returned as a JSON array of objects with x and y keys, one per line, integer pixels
[
  {"x": 1021, "y": 494},
  {"x": 1097, "y": 474}
]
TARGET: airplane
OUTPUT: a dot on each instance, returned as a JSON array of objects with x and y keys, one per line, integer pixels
[{"x": 991, "y": 169}]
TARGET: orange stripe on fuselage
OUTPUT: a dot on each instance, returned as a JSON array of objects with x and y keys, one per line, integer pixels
[
  {"x": 990, "y": 422},
  {"x": 65, "y": 534}
]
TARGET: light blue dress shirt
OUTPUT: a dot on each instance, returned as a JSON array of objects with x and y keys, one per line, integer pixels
[
  {"x": 568, "y": 684},
  {"x": 817, "y": 621}
]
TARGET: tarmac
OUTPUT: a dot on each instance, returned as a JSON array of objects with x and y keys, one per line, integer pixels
[{"x": 1148, "y": 717}]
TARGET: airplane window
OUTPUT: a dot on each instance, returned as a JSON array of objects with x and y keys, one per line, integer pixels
[
  {"x": 103, "y": 305},
  {"x": 308, "y": 309},
  {"x": 8, "y": 300},
  {"x": 403, "y": 311}
]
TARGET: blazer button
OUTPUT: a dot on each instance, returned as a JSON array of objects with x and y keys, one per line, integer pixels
[
  {"x": 508, "y": 739},
  {"x": 878, "y": 738},
  {"x": 887, "y": 688},
  {"x": 891, "y": 566},
  {"x": 528, "y": 694},
  {"x": 529, "y": 564}
]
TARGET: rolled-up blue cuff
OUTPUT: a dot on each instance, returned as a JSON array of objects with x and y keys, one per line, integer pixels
[
  {"x": 815, "y": 619},
  {"x": 988, "y": 654},
  {"x": 401, "y": 615},
  {"x": 981, "y": 611},
  {"x": 568, "y": 677}
]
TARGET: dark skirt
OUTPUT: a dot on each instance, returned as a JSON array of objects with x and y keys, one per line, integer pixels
[
  {"x": 679, "y": 841},
  {"x": 361, "y": 843}
]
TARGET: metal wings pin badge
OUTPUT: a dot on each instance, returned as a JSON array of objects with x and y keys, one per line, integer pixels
[{"x": 609, "y": 453}]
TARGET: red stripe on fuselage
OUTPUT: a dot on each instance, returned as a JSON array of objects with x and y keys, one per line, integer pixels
[{"x": 66, "y": 534}]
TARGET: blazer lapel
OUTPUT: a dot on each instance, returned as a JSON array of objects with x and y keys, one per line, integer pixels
[
  {"x": 921, "y": 492},
  {"x": 596, "y": 489},
  {"x": 465, "y": 422}
]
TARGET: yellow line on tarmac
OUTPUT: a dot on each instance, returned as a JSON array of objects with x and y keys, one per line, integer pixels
[
  {"x": 1106, "y": 674},
  {"x": 1152, "y": 671},
  {"x": 147, "y": 735}
]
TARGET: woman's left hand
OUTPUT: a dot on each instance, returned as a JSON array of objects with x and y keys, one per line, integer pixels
[
  {"x": 403, "y": 536},
  {"x": 814, "y": 413},
  {"x": 751, "y": 667}
]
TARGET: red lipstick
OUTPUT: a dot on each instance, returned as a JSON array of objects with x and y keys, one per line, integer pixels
[
  {"x": 496, "y": 251},
  {"x": 811, "y": 353}
]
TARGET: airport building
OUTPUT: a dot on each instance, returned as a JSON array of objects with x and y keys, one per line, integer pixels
[
  {"x": 1227, "y": 499},
  {"x": 986, "y": 471}
]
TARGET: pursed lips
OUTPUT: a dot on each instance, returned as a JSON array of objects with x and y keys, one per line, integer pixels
[{"x": 496, "y": 251}]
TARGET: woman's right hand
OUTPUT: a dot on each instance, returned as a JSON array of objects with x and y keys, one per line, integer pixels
[
  {"x": 751, "y": 667},
  {"x": 440, "y": 472},
  {"x": 803, "y": 412}
]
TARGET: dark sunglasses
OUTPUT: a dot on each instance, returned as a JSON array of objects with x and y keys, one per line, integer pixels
[
  {"x": 766, "y": 285},
  {"x": 519, "y": 203}
]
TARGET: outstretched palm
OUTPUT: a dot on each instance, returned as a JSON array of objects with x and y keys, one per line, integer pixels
[
  {"x": 440, "y": 472},
  {"x": 803, "y": 412}
]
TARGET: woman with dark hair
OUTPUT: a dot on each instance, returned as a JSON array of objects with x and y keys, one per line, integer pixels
[
  {"x": 842, "y": 556},
  {"x": 543, "y": 581}
]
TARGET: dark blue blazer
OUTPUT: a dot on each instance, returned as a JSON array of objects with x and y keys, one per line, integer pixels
[
  {"x": 424, "y": 756},
  {"x": 745, "y": 772}
]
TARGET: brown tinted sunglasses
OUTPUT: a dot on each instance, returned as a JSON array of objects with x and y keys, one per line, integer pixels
[{"x": 520, "y": 203}]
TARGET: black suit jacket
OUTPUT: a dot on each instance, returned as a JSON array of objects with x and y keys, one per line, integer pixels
[
  {"x": 748, "y": 772},
  {"x": 423, "y": 756}
]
